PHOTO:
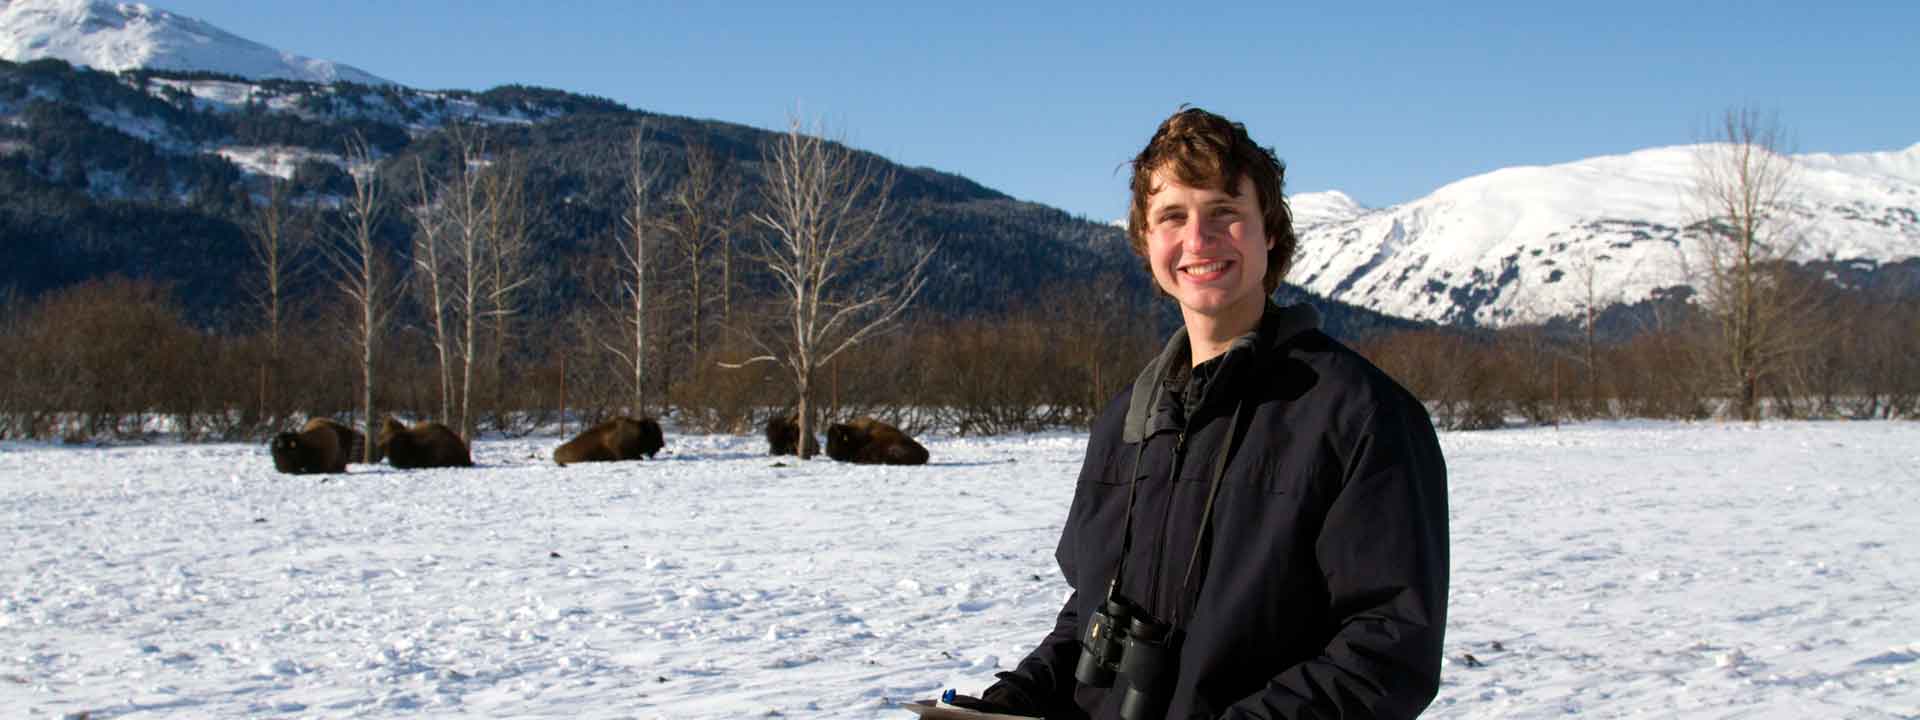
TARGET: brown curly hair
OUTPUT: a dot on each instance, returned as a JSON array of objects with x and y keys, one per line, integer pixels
[{"x": 1205, "y": 150}]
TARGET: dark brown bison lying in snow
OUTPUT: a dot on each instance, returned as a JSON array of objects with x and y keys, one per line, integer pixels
[
  {"x": 622, "y": 438},
  {"x": 783, "y": 437},
  {"x": 425, "y": 445},
  {"x": 869, "y": 441},
  {"x": 323, "y": 446}
]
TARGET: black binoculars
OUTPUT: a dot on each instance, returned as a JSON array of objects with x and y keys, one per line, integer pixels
[{"x": 1123, "y": 641}]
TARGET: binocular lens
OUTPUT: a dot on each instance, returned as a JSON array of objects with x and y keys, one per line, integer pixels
[
  {"x": 1090, "y": 673},
  {"x": 1100, "y": 646},
  {"x": 1122, "y": 644},
  {"x": 1137, "y": 705}
]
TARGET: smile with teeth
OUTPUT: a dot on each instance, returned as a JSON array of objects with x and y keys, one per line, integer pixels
[{"x": 1205, "y": 269}]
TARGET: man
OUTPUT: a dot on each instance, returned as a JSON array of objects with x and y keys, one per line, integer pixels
[{"x": 1260, "y": 526}]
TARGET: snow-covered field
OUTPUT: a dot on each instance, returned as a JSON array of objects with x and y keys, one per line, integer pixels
[{"x": 1621, "y": 569}]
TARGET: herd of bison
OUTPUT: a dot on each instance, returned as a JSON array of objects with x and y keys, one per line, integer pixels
[{"x": 326, "y": 446}]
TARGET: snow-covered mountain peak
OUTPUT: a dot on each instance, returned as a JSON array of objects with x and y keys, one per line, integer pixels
[
  {"x": 1529, "y": 243},
  {"x": 1319, "y": 208},
  {"x": 121, "y": 36}
]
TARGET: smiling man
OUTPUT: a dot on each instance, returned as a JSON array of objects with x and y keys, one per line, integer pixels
[{"x": 1259, "y": 529}]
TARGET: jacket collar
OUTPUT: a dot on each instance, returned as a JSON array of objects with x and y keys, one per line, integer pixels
[{"x": 1277, "y": 326}]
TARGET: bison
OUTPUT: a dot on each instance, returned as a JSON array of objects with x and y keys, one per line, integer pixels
[
  {"x": 622, "y": 438},
  {"x": 869, "y": 441},
  {"x": 425, "y": 445},
  {"x": 323, "y": 446},
  {"x": 783, "y": 437}
]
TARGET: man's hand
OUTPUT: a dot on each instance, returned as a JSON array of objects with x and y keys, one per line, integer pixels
[
  {"x": 1009, "y": 696},
  {"x": 981, "y": 704}
]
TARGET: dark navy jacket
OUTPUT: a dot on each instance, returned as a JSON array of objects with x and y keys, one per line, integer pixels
[{"x": 1321, "y": 591}]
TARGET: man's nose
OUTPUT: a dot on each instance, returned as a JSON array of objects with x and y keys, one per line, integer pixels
[{"x": 1198, "y": 235}]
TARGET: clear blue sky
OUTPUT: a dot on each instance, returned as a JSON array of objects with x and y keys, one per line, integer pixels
[{"x": 1385, "y": 102}]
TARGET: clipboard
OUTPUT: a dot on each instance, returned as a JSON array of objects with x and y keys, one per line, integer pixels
[{"x": 931, "y": 710}]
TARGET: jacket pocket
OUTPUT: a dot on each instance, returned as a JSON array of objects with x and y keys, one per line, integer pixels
[{"x": 1283, "y": 473}]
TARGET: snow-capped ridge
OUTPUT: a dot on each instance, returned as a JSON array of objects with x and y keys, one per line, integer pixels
[
  {"x": 123, "y": 36},
  {"x": 1324, "y": 206},
  {"x": 1899, "y": 165},
  {"x": 1529, "y": 243}
]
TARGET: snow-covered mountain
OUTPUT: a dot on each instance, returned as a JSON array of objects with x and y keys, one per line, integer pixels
[
  {"x": 1323, "y": 208},
  {"x": 120, "y": 36},
  {"x": 1527, "y": 244}
]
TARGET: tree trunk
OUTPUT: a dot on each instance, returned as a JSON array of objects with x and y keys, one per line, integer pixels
[
  {"x": 499, "y": 367},
  {"x": 466, "y": 361},
  {"x": 1593, "y": 369},
  {"x": 695, "y": 309},
  {"x": 366, "y": 380},
  {"x": 440, "y": 341},
  {"x": 640, "y": 323},
  {"x": 805, "y": 417}
]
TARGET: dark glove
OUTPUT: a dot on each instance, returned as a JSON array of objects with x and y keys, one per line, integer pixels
[
  {"x": 1010, "y": 696},
  {"x": 973, "y": 703}
]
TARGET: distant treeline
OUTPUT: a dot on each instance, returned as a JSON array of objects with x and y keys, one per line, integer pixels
[{"x": 114, "y": 358}]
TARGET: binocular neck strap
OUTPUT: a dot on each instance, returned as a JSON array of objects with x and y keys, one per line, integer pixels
[
  {"x": 1126, "y": 535},
  {"x": 1203, "y": 541}
]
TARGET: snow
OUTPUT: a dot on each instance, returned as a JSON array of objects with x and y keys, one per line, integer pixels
[
  {"x": 1525, "y": 244},
  {"x": 115, "y": 36},
  {"x": 1321, "y": 208},
  {"x": 278, "y": 161},
  {"x": 225, "y": 95},
  {"x": 1635, "y": 568}
]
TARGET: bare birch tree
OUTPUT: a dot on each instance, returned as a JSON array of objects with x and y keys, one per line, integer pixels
[
  {"x": 634, "y": 241},
  {"x": 276, "y": 248},
  {"x": 429, "y": 261},
  {"x": 827, "y": 216},
  {"x": 364, "y": 277},
  {"x": 510, "y": 224},
  {"x": 704, "y": 203},
  {"x": 464, "y": 199},
  {"x": 1743, "y": 184}
]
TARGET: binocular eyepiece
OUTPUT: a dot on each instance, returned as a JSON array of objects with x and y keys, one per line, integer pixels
[{"x": 1122, "y": 641}]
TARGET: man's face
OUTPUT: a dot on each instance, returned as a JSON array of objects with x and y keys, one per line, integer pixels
[{"x": 1208, "y": 249}]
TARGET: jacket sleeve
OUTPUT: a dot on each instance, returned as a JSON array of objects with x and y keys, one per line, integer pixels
[{"x": 1383, "y": 550}]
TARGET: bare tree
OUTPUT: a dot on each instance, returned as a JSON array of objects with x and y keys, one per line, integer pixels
[
  {"x": 1586, "y": 272},
  {"x": 510, "y": 224},
  {"x": 471, "y": 247},
  {"x": 430, "y": 262},
  {"x": 276, "y": 248},
  {"x": 704, "y": 203},
  {"x": 727, "y": 281},
  {"x": 642, "y": 174},
  {"x": 464, "y": 198},
  {"x": 364, "y": 277},
  {"x": 1743, "y": 183},
  {"x": 826, "y": 217}
]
